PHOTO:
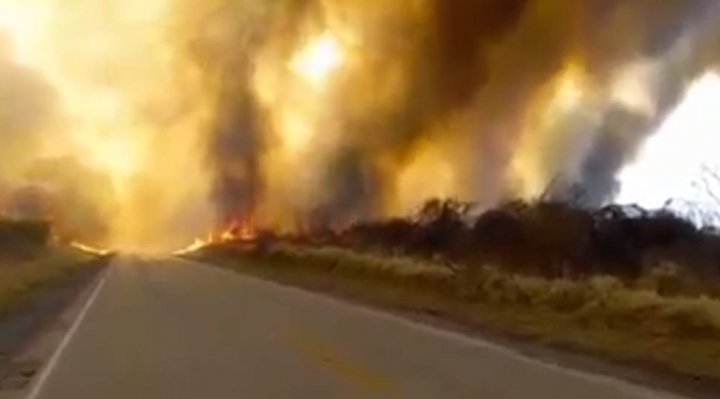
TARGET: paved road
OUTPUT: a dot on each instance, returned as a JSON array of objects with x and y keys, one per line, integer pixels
[{"x": 170, "y": 329}]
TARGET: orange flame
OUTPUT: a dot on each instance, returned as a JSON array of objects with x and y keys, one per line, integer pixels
[
  {"x": 197, "y": 245},
  {"x": 237, "y": 231},
  {"x": 89, "y": 249}
]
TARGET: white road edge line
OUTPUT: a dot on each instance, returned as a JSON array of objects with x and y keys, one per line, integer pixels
[
  {"x": 50, "y": 366},
  {"x": 640, "y": 391}
]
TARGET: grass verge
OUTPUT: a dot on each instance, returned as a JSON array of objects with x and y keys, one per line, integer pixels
[
  {"x": 22, "y": 279},
  {"x": 628, "y": 323}
]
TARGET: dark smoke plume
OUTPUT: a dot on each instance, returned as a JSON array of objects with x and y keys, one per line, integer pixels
[
  {"x": 661, "y": 33},
  {"x": 460, "y": 75},
  {"x": 224, "y": 39},
  {"x": 442, "y": 58}
]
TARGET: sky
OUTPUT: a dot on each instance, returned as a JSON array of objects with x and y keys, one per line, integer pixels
[
  {"x": 680, "y": 161},
  {"x": 672, "y": 163}
]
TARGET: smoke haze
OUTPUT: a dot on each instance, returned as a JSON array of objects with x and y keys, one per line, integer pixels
[{"x": 175, "y": 117}]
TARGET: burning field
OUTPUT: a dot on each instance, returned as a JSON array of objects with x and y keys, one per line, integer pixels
[{"x": 165, "y": 120}]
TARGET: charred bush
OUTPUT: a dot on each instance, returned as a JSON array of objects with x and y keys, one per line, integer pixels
[
  {"x": 550, "y": 239},
  {"x": 442, "y": 230},
  {"x": 393, "y": 233},
  {"x": 499, "y": 235},
  {"x": 24, "y": 233}
]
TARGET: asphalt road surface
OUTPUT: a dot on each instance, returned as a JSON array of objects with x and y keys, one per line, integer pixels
[{"x": 171, "y": 329}]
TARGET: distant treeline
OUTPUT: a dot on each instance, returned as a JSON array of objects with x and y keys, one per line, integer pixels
[{"x": 551, "y": 239}]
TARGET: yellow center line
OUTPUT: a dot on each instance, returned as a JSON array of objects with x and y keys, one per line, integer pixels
[{"x": 370, "y": 382}]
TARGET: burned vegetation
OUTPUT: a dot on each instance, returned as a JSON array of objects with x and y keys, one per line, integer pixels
[{"x": 549, "y": 239}]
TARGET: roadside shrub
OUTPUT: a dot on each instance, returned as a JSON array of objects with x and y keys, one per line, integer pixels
[
  {"x": 565, "y": 295},
  {"x": 21, "y": 239},
  {"x": 666, "y": 279},
  {"x": 552, "y": 240},
  {"x": 693, "y": 317}
]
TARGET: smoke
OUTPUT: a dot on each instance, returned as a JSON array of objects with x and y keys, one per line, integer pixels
[
  {"x": 75, "y": 197},
  {"x": 79, "y": 199},
  {"x": 121, "y": 159},
  {"x": 193, "y": 115},
  {"x": 672, "y": 36},
  {"x": 470, "y": 99},
  {"x": 303, "y": 146},
  {"x": 28, "y": 107}
]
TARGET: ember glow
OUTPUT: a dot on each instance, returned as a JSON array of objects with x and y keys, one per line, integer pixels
[{"x": 171, "y": 119}]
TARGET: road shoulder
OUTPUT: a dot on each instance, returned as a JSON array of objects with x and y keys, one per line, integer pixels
[{"x": 30, "y": 334}]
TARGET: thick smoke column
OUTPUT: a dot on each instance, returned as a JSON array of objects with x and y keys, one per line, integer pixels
[
  {"x": 669, "y": 38},
  {"x": 471, "y": 99},
  {"x": 224, "y": 39},
  {"x": 418, "y": 56}
]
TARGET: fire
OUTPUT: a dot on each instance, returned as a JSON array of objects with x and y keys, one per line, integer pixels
[
  {"x": 237, "y": 231},
  {"x": 197, "y": 245},
  {"x": 89, "y": 248},
  {"x": 327, "y": 110},
  {"x": 241, "y": 231}
]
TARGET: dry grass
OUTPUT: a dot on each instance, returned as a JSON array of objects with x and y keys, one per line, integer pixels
[
  {"x": 603, "y": 300},
  {"x": 637, "y": 322},
  {"x": 20, "y": 278}
]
